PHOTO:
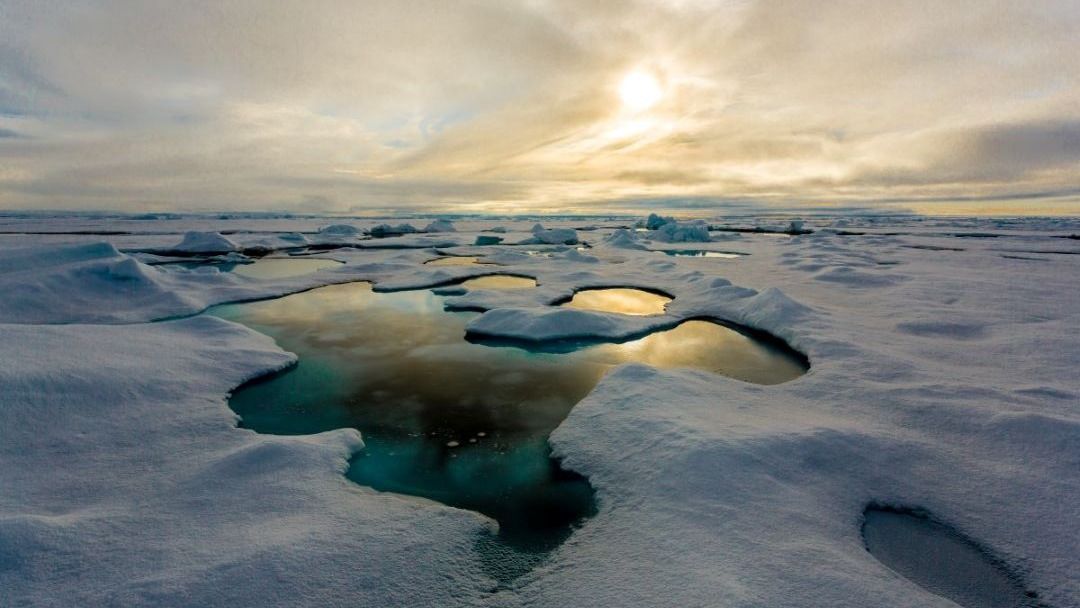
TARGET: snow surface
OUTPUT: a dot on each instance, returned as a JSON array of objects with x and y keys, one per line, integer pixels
[
  {"x": 943, "y": 377},
  {"x": 126, "y": 483}
]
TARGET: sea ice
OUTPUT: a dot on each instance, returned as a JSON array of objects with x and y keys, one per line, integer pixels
[{"x": 205, "y": 242}]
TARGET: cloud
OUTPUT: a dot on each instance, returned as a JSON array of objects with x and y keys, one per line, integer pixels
[{"x": 506, "y": 105}]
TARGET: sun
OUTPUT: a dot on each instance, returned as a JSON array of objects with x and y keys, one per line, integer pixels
[{"x": 640, "y": 91}]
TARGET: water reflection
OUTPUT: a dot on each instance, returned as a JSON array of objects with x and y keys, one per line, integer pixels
[
  {"x": 620, "y": 300},
  {"x": 500, "y": 281},
  {"x": 461, "y": 423}
]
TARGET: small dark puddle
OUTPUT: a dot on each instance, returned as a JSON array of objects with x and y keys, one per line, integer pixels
[
  {"x": 622, "y": 300},
  {"x": 941, "y": 560},
  {"x": 264, "y": 268},
  {"x": 462, "y": 423},
  {"x": 702, "y": 253}
]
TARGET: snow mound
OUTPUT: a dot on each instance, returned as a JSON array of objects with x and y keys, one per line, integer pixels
[
  {"x": 85, "y": 282},
  {"x": 772, "y": 311},
  {"x": 574, "y": 255},
  {"x": 339, "y": 230},
  {"x": 683, "y": 232},
  {"x": 39, "y": 259},
  {"x": 440, "y": 226},
  {"x": 553, "y": 236},
  {"x": 206, "y": 242},
  {"x": 623, "y": 239},
  {"x": 294, "y": 237}
]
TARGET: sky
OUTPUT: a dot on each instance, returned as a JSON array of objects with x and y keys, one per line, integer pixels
[{"x": 531, "y": 106}]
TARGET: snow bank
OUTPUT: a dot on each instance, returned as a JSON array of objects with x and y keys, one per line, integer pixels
[
  {"x": 95, "y": 283},
  {"x": 205, "y": 242},
  {"x": 126, "y": 483},
  {"x": 86, "y": 282}
]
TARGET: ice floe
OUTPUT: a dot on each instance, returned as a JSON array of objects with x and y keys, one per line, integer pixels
[{"x": 943, "y": 376}]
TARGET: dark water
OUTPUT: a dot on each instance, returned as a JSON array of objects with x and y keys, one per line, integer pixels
[
  {"x": 941, "y": 560},
  {"x": 701, "y": 253},
  {"x": 464, "y": 424},
  {"x": 621, "y": 300}
]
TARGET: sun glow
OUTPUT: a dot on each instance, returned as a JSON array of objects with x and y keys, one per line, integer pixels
[{"x": 640, "y": 91}]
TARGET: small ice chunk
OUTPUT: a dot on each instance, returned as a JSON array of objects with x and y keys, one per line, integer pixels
[
  {"x": 654, "y": 222},
  {"x": 683, "y": 232}
]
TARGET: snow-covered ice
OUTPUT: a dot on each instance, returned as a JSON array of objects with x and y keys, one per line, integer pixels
[
  {"x": 943, "y": 378},
  {"x": 205, "y": 242},
  {"x": 682, "y": 232},
  {"x": 440, "y": 225}
]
